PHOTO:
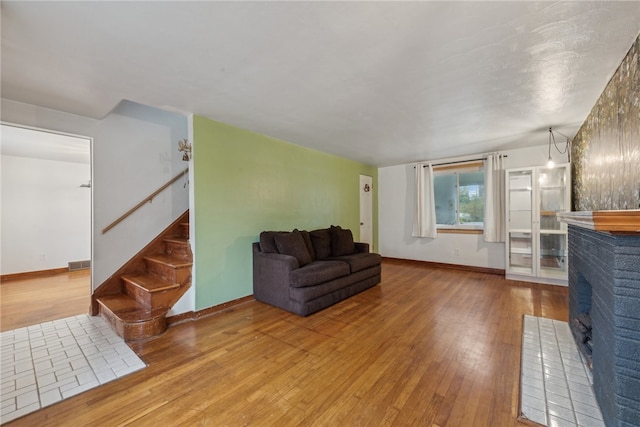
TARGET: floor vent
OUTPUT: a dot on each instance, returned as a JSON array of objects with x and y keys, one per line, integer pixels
[{"x": 79, "y": 265}]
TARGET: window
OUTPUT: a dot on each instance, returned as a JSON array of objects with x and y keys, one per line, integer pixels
[{"x": 459, "y": 196}]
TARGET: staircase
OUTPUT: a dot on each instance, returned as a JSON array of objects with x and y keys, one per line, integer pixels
[{"x": 136, "y": 299}]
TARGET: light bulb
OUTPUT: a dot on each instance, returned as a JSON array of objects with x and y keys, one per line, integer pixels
[{"x": 550, "y": 163}]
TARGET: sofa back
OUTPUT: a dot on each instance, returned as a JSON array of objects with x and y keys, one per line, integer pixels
[{"x": 308, "y": 246}]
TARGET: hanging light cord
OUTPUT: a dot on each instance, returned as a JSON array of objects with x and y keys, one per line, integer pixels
[{"x": 566, "y": 147}]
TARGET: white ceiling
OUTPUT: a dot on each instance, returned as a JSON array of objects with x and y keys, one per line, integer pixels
[{"x": 380, "y": 82}]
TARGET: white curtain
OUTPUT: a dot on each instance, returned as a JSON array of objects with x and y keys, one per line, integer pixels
[
  {"x": 494, "y": 226},
  {"x": 424, "y": 219}
]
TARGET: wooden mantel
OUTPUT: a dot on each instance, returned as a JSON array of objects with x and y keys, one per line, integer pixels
[{"x": 623, "y": 221}]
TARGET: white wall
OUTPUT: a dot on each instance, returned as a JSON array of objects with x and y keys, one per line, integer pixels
[
  {"x": 46, "y": 215},
  {"x": 396, "y": 205},
  {"x": 134, "y": 152}
]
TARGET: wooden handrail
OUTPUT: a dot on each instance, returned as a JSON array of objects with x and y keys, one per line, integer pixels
[{"x": 147, "y": 199}]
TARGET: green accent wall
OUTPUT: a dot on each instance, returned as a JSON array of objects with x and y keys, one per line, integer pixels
[{"x": 245, "y": 183}]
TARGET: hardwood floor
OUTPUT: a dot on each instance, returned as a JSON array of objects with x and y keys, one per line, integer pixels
[
  {"x": 427, "y": 347},
  {"x": 26, "y": 302}
]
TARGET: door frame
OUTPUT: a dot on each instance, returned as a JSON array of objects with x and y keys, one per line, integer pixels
[
  {"x": 91, "y": 168},
  {"x": 366, "y": 180}
]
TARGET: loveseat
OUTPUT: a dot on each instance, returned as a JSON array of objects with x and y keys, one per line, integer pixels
[{"x": 306, "y": 271}]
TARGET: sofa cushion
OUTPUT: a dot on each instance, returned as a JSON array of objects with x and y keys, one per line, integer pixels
[
  {"x": 341, "y": 241},
  {"x": 267, "y": 243},
  {"x": 293, "y": 244},
  {"x": 307, "y": 242},
  {"x": 318, "y": 272},
  {"x": 360, "y": 261},
  {"x": 321, "y": 241}
]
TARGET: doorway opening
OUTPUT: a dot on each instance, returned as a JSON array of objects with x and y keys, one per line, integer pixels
[
  {"x": 46, "y": 225},
  {"x": 366, "y": 210}
]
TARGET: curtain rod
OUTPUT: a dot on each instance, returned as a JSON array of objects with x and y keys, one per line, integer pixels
[{"x": 459, "y": 161}]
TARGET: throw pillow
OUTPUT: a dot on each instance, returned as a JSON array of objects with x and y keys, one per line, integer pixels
[
  {"x": 321, "y": 241},
  {"x": 267, "y": 243},
  {"x": 293, "y": 244},
  {"x": 307, "y": 241},
  {"x": 341, "y": 241}
]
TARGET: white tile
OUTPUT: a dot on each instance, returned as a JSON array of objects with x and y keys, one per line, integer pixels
[
  {"x": 561, "y": 412},
  {"x": 27, "y": 399},
  {"x": 114, "y": 340},
  {"x": 535, "y": 415},
  {"x": 58, "y": 384},
  {"x": 579, "y": 383},
  {"x": 587, "y": 397},
  {"x": 560, "y": 422},
  {"x": 79, "y": 389},
  {"x": 588, "y": 410},
  {"x": 532, "y": 373},
  {"x": 25, "y": 381},
  {"x": 8, "y": 405},
  {"x": 89, "y": 348},
  {"x": 86, "y": 378},
  {"x": 8, "y": 386},
  {"x": 559, "y": 381},
  {"x": 21, "y": 355},
  {"x": 46, "y": 379},
  {"x": 558, "y": 400},
  {"x": 533, "y": 382},
  {"x": 5, "y": 418},
  {"x": 532, "y": 393},
  {"x": 50, "y": 397},
  {"x": 6, "y": 376},
  {"x": 73, "y": 373},
  {"x": 43, "y": 364},
  {"x": 134, "y": 362},
  {"x": 586, "y": 421},
  {"x": 98, "y": 363},
  {"x": 558, "y": 389},
  {"x": 554, "y": 371},
  {"x": 105, "y": 376},
  {"x": 79, "y": 363},
  {"x": 23, "y": 366},
  {"x": 566, "y": 381}
]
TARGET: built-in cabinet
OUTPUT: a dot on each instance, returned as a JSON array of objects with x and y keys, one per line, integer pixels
[{"x": 536, "y": 243}]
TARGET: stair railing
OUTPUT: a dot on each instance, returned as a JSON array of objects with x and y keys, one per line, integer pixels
[{"x": 147, "y": 199}]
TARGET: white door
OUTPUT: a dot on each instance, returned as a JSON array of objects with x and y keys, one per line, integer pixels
[{"x": 366, "y": 210}]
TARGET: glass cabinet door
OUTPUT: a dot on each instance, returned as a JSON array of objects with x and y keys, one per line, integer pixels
[
  {"x": 553, "y": 242},
  {"x": 520, "y": 222}
]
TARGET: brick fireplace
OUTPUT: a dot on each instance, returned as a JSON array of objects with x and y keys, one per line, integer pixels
[{"x": 604, "y": 283}]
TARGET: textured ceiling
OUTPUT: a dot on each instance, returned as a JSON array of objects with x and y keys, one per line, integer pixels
[{"x": 380, "y": 82}]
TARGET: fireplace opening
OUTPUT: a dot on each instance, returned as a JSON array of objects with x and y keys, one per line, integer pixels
[{"x": 581, "y": 326}]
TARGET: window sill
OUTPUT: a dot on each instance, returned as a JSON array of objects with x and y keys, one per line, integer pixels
[{"x": 460, "y": 230}]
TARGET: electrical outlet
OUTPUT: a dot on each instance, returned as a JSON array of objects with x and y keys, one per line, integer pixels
[{"x": 456, "y": 252}]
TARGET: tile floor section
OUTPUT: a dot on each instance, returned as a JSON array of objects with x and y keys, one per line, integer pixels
[
  {"x": 43, "y": 364},
  {"x": 556, "y": 384}
]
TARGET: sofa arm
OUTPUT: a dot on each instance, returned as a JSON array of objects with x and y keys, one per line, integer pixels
[
  {"x": 361, "y": 247},
  {"x": 271, "y": 277}
]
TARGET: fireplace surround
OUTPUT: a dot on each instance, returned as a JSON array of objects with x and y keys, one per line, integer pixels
[{"x": 604, "y": 280}]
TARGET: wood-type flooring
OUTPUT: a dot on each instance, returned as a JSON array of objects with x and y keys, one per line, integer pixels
[
  {"x": 26, "y": 302},
  {"x": 429, "y": 346}
]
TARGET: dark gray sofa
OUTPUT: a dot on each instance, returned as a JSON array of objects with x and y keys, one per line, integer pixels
[{"x": 304, "y": 272}]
